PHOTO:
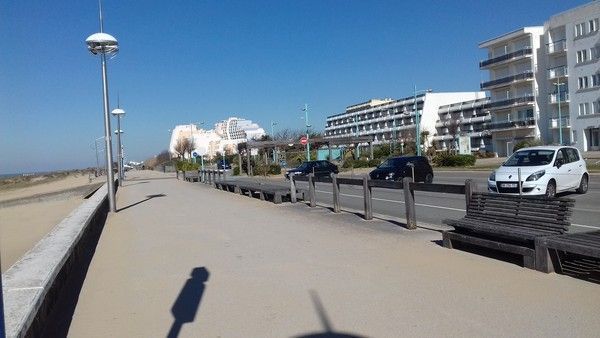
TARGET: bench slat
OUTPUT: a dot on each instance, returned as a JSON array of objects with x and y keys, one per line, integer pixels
[
  {"x": 519, "y": 222},
  {"x": 530, "y": 219}
]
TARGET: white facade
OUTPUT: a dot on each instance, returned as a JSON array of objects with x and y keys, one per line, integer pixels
[
  {"x": 225, "y": 136},
  {"x": 388, "y": 119},
  {"x": 573, "y": 64},
  {"x": 469, "y": 118},
  {"x": 514, "y": 105}
]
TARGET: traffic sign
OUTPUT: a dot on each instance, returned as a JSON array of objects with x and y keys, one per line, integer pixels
[
  {"x": 303, "y": 140},
  {"x": 195, "y": 154}
]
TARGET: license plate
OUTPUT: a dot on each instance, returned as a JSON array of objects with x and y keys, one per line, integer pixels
[{"x": 508, "y": 185}]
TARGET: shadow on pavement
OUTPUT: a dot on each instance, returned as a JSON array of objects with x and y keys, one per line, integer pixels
[
  {"x": 186, "y": 305},
  {"x": 149, "y": 197},
  {"x": 328, "y": 329}
]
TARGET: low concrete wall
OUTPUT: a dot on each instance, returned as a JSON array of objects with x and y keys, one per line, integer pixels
[{"x": 33, "y": 283}]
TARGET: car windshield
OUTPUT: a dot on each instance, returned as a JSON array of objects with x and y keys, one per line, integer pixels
[
  {"x": 529, "y": 158},
  {"x": 393, "y": 163},
  {"x": 305, "y": 165}
]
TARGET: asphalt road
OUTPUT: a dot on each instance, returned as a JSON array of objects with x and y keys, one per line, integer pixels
[{"x": 432, "y": 208}]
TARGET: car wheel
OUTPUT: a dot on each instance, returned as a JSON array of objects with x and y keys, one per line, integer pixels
[
  {"x": 551, "y": 189},
  {"x": 429, "y": 178},
  {"x": 583, "y": 184}
]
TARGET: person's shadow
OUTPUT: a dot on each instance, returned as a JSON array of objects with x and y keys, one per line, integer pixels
[{"x": 186, "y": 305}]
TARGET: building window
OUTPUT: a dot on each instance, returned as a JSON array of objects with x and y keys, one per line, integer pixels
[
  {"x": 596, "y": 107},
  {"x": 596, "y": 80},
  {"x": 584, "y": 108},
  {"x": 582, "y": 56},
  {"x": 593, "y": 25},
  {"x": 579, "y": 29},
  {"x": 583, "y": 82}
]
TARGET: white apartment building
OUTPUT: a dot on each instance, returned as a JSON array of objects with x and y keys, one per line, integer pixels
[
  {"x": 572, "y": 48},
  {"x": 388, "y": 119},
  {"x": 469, "y": 118},
  {"x": 514, "y": 105},
  {"x": 225, "y": 136}
]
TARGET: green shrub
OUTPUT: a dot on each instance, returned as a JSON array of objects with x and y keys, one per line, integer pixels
[
  {"x": 449, "y": 160},
  {"x": 374, "y": 163},
  {"x": 527, "y": 143},
  {"x": 236, "y": 171},
  {"x": 274, "y": 169},
  {"x": 187, "y": 166}
]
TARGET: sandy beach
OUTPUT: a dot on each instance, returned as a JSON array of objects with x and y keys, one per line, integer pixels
[{"x": 24, "y": 219}]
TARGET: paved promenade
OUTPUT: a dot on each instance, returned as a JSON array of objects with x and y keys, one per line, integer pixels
[{"x": 185, "y": 260}]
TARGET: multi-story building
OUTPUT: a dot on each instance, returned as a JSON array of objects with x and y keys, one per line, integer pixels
[
  {"x": 388, "y": 119},
  {"x": 572, "y": 48},
  {"x": 224, "y": 137},
  {"x": 469, "y": 118},
  {"x": 514, "y": 104}
]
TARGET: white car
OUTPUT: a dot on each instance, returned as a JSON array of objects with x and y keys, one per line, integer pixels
[{"x": 545, "y": 170}]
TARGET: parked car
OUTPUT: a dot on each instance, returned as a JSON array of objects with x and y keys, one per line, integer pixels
[
  {"x": 396, "y": 168},
  {"x": 545, "y": 170},
  {"x": 223, "y": 164},
  {"x": 319, "y": 168}
]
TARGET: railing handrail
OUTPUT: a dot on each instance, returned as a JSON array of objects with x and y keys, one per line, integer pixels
[
  {"x": 520, "y": 76},
  {"x": 523, "y": 51}
]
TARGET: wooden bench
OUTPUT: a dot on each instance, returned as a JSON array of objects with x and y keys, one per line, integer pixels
[
  {"x": 510, "y": 223},
  {"x": 264, "y": 191},
  {"x": 227, "y": 186},
  {"x": 585, "y": 244}
]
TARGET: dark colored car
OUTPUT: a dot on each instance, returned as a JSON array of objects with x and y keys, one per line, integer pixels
[
  {"x": 319, "y": 168},
  {"x": 223, "y": 164},
  {"x": 396, "y": 168}
]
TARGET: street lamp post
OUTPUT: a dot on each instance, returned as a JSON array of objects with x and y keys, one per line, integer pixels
[
  {"x": 273, "y": 124},
  {"x": 560, "y": 132},
  {"x": 103, "y": 44},
  {"x": 118, "y": 113},
  {"x": 305, "y": 109},
  {"x": 418, "y": 119},
  {"x": 357, "y": 142}
]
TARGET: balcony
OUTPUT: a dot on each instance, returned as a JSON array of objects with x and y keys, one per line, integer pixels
[
  {"x": 559, "y": 46},
  {"x": 558, "y": 72},
  {"x": 527, "y": 51},
  {"x": 516, "y": 101},
  {"x": 565, "y": 123},
  {"x": 528, "y": 75},
  {"x": 526, "y": 123},
  {"x": 555, "y": 98}
]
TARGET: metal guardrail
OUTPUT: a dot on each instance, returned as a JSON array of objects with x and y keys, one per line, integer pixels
[{"x": 368, "y": 184}]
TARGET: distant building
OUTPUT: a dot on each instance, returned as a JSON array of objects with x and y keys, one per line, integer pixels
[
  {"x": 388, "y": 119},
  {"x": 225, "y": 136},
  {"x": 469, "y": 118}
]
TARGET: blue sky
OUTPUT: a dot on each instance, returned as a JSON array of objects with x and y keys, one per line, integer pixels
[{"x": 190, "y": 61}]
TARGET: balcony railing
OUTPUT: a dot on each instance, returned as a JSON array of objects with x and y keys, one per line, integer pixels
[
  {"x": 522, "y": 52},
  {"x": 555, "y": 72},
  {"x": 512, "y": 102},
  {"x": 554, "y": 98},
  {"x": 565, "y": 123},
  {"x": 523, "y": 76},
  {"x": 509, "y": 124},
  {"x": 555, "y": 47}
]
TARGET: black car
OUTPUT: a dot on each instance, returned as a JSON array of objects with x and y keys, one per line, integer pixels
[
  {"x": 319, "y": 168},
  {"x": 223, "y": 164},
  {"x": 396, "y": 168}
]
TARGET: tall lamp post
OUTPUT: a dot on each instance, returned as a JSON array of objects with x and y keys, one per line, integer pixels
[
  {"x": 273, "y": 124},
  {"x": 118, "y": 113},
  {"x": 356, "y": 133},
  {"x": 305, "y": 109},
  {"x": 418, "y": 118},
  {"x": 103, "y": 44},
  {"x": 560, "y": 132}
]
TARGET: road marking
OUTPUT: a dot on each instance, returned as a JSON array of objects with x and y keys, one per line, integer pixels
[{"x": 435, "y": 206}]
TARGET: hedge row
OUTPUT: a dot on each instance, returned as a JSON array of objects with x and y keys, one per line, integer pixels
[{"x": 449, "y": 160}]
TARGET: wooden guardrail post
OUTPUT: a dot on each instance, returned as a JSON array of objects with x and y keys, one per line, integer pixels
[
  {"x": 336, "y": 193},
  {"x": 468, "y": 191},
  {"x": 177, "y": 173},
  {"x": 210, "y": 177},
  {"x": 292, "y": 189},
  {"x": 367, "y": 199},
  {"x": 311, "y": 190},
  {"x": 409, "y": 201},
  {"x": 224, "y": 172}
]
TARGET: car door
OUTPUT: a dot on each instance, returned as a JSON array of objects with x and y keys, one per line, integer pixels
[
  {"x": 575, "y": 167},
  {"x": 562, "y": 177}
]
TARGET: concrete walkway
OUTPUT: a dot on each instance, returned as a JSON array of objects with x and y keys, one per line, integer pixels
[{"x": 182, "y": 259}]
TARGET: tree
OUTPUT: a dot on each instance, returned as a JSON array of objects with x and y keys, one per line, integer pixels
[
  {"x": 452, "y": 126},
  {"x": 183, "y": 146}
]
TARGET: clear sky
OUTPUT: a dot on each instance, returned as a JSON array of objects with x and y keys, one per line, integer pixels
[{"x": 190, "y": 61}]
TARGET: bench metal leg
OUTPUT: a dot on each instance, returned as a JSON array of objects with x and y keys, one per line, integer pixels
[
  {"x": 277, "y": 198},
  {"x": 543, "y": 261},
  {"x": 446, "y": 240},
  {"x": 237, "y": 190},
  {"x": 261, "y": 195}
]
